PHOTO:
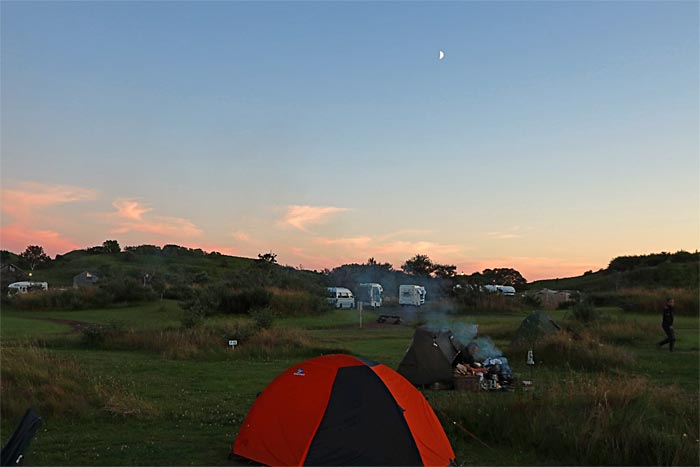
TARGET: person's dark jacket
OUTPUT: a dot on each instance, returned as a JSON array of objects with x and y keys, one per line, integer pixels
[{"x": 668, "y": 316}]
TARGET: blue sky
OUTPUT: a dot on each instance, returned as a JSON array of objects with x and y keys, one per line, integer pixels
[{"x": 552, "y": 137}]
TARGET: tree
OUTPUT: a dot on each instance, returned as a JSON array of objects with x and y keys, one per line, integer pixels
[
  {"x": 268, "y": 258},
  {"x": 111, "y": 246},
  {"x": 419, "y": 265},
  {"x": 504, "y": 276},
  {"x": 444, "y": 271},
  {"x": 34, "y": 255}
]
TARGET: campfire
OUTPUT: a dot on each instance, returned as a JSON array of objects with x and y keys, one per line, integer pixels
[{"x": 437, "y": 359}]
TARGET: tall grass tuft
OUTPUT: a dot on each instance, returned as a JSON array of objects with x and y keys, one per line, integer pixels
[
  {"x": 640, "y": 300},
  {"x": 34, "y": 377},
  {"x": 584, "y": 421},
  {"x": 581, "y": 351}
]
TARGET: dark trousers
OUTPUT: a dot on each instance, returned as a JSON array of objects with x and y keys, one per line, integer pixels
[{"x": 670, "y": 337}]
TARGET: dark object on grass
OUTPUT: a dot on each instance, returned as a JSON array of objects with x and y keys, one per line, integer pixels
[
  {"x": 537, "y": 325},
  {"x": 342, "y": 410},
  {"x": 386, "y": 318},
  {"x": 14, "y": 450}
]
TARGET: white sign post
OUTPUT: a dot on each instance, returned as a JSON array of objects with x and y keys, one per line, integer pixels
[{"x": 232, "y": 343}]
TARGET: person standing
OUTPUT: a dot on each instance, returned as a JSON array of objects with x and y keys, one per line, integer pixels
[{"x": 667, "y": 324}]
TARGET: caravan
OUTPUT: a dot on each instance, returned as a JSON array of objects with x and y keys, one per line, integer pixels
[
  {"x": 371, "y": 294},
  {"x": 505, "y": 290},
  {"x": 24, "y": 287},
  {"x": 411, "y": 295},
  {"x": 340, "y": 297}
]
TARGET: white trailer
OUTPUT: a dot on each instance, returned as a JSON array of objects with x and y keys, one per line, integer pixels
[
  {"x": 413, "y": 295},
  {"x": 505, "y": 290},
  {"x": 25, "y": 286},
  {"x": 340, "y": 297},
  {"x": 371, "y": 293}
]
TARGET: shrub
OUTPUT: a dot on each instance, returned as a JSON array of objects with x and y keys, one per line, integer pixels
[
  {"x": 240, "y": 302},
  {"x": 95, "y": 335},
  {"x": 297, "y": 302},
  {"x": 584, "y": 312},
  {"x": 193, "y": 313},
  {"x": 263, "y": 317},
  {"x": 69, "y": 299}
]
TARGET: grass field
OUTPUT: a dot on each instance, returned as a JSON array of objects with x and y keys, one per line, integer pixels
[{"x": 138, "y": 407}]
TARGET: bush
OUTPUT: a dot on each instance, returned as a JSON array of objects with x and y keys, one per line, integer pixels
[
  {"x": 585, "y": 312},
  {"x": 297, "y": 303},
  {"x": 263, "y": 317},
  {"x": 240, "y": 302},
  {"x": 69, "y": 299},
  {"x": 95, "y": 335}
]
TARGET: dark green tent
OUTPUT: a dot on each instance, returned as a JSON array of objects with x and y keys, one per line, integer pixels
[
  {"x": 537, "y": 325},
  {"x": 431, "y": 356}
]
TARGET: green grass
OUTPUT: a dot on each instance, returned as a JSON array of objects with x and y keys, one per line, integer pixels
[
  {"x": 22, "y": 324},
  {"x": 13, "y": 328},
  {"x": 199, "y": 403}
]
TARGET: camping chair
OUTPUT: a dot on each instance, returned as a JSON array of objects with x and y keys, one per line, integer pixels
[{"x": 13, "y": 452}]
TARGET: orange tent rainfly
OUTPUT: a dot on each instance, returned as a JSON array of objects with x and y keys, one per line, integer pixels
[{"x": 342, "y": 410}]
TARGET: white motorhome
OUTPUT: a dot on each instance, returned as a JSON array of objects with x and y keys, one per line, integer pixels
[
  {"x": 371, "y": 293},
  {"x": 340, "y": 297},
  {"x": 411, "y": 295},
  {"x": 25, "y": 286},
  {"x": 505, "y": 290}
]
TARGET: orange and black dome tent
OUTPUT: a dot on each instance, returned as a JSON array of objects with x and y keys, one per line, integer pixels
[{"x": 342, "y": 410}]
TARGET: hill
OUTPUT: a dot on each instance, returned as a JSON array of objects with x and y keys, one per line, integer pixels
[
  {"x": 657, "y": 270},
  {"x": 171, "y": 266}
]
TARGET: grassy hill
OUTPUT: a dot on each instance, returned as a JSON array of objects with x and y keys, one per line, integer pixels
[
  {"x": 663, "y": 270},
  {"x": 171, "y": 264}
]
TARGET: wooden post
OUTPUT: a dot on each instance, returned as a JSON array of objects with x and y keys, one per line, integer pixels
[{"x": 359, "y": 308}]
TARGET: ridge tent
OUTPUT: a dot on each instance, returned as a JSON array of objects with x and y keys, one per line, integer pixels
[
  {"x": 535, "y": 326},
  {"x": 342, "y": 410},
  {"x": 431, "y": 357}
]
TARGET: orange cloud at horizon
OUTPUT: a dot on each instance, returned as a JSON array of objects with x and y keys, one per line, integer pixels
[
  {"x": 16, "y": 239},
  {"x": 534, "y": 268},
  {"x": 25, "y": 206}
]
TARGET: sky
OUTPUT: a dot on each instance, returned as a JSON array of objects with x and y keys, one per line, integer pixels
[{"x": 552, "y": 137}]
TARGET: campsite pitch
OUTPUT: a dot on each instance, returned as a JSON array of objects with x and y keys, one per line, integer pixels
[{"x": 123, "y": 406}]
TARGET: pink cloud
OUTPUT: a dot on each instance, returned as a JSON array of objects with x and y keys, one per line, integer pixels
[
  {"x": 28, "y": 199},
  {"x": 241, "y": 236},
  {"x": 25, "y": 206},
  {"x": 301, "y": 216},
  {"x": 130, "y": 216},
  {"x": 130, "y": 208},
  {"x": 508, "y": 234},
  {"x": 352, "y": 242}
]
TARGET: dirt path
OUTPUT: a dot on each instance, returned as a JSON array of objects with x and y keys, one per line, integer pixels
[{"x": 76, "y": 326}]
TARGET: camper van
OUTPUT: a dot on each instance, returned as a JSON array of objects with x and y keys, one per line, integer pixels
[
  {"x": 411, "y": 295},
  {"x": 505, "y": 290},
  {"x": 340, "y": 297},
  {"x": 371, "y": 294},
  {"x": 24, "y": 287}
]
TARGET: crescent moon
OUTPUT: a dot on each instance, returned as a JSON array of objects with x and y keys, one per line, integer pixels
[{"x": 442, "y": 55}]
